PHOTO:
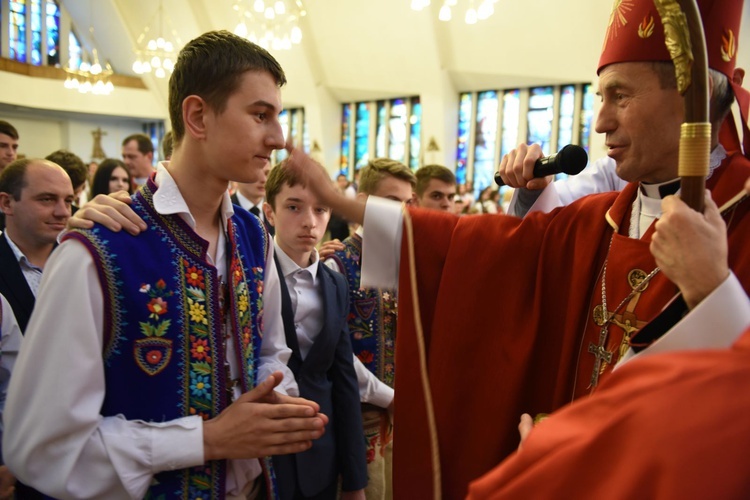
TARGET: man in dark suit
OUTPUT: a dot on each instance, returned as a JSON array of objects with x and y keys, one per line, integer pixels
[
  {"x": 315, "y": 305},
  {"x": 36, "y": 196},
  {"x": 250, "y": 196}
]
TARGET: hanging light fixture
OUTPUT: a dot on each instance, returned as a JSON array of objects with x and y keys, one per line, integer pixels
[
  {"x": 472, "y": 14},
  {"x": 158, "y": 54},
  {"x": 272, "y": 24},
  {"x": 89, "y": 77}
]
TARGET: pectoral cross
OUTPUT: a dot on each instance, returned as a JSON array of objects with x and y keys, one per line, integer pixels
[{"x": 600, "y": 354}]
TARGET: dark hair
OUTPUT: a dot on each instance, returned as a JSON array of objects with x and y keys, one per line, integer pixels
[
  {"x": 8, "y": 129},
  {"x": 428, "y": 172},
  {"x": 13, "y": 177},
  {"x": 145, "y": 146},
  {"x": 100, "y": 183},
  {"x": 72, "y": 164},
  {"x": 378, "y": 169},
  {"x": 279, "y": 177},
  {"x": 210, "y": 67},
  {"x": 167, "y": 145}
]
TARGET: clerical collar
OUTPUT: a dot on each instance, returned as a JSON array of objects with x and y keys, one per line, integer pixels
[{"x": 660, "y": 190}]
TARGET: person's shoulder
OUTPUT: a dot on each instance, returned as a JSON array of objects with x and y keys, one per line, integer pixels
[{"x": 338, "y": 279}]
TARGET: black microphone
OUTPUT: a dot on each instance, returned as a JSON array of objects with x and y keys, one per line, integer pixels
[{"x": 569, "y": 160}]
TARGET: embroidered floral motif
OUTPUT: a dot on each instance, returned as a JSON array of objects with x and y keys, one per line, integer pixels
[{"x": 153, "y": 353}]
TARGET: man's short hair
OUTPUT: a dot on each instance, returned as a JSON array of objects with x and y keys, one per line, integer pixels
[
  {"x": 429, "y": 172},
  {"x": 167, "y": 145},
  {"x": 211, "y": 67},
  {"x": 279, "y": 177},
  {"x": 72, "y": 164},
  {"x": 13, "y": 177},
  {"x": 145, "y": 146},
  {"x": 379, "y": 168},
  {"x": 8, "y": 129}
]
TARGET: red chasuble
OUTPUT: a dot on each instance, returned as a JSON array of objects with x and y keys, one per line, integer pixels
[
  {"x": 667, "y": 426},
  {"x": 507, "y": 310}
]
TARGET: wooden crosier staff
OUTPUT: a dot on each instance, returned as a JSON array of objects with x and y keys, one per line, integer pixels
[{"x": 686, "y": 43}]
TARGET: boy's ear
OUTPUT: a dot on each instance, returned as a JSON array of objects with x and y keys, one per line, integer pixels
[
  {"x": 193, "y": 115},
  {"x": 269, "y": 213}
]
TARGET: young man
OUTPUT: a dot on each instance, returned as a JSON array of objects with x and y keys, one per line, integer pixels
[
  {"x": 372, "y": 324},
  {"x": 250, "y": 196},
  {"x": 436, "y": 188},
  {"x": 8, "y": 144},
  {"x": 138, "y": 155},
  {"x": 162, "y": 344},
  {"x": 315, "y": 306}
]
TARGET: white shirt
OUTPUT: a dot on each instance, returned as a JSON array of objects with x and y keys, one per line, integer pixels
[
  {"x": 10, "y": 343},
  {"x": 247, "y": 205},
  {"x": 56, "y": 439},
  {"x": 32, "y": 273},
  {"x": 307, "y": 303},
  {"x": 698, "y": 330}
]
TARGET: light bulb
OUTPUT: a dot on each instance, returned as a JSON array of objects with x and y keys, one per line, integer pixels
[
  {"x": 160, "y": 42},
  {"x": 74, "y": 84},
  {"x": 471, "y": 16},
  {"x": 155, "y": 62},
  {"x": 137, "y": 67},
  {"x": 85, "y": 88},
  {"x": 286, "y": 43},
  {"x": 146, "y": 67},
  {"x": 84, "y": 66},
  {"x": 109, "y": 87},
  {"x": 270, "y": 14},
  {"x": 160, "y": 73},
  {"x": 168, "y": 64},
  {"x": 445, "y": 13},
  {"x": 451, "y": 3},
  {"x": 168, "y": 47},
  {"x": 99, "y": 88},
  {"x": 96, "y": 69},
  {"x": 485, "y": 10},
  {"x": 151, "y": 45},
  {"x": 279, "y": 7},
  {"x": 259, "y": 6},
  {"x": 296, "y": 34}
]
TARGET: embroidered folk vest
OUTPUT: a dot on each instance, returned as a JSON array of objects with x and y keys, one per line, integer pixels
[
  {"x": 164, "y": 344},
  {"x": 372, "y": 315}
]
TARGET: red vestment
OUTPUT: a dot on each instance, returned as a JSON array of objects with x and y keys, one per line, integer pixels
[
  {"x": 506, "y": 306},
  {"x": 667, "y": 426}
]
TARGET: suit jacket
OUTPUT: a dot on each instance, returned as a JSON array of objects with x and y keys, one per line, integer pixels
[
  {"x": 271, "y": 230},
  {"x": 327, "y": 377},
  {"x": 13, "y": 285}
]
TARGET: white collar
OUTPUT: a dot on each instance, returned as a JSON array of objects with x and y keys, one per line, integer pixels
[
  {"x": 168, "y": 199},
  {"x": 289, "y": 267}
]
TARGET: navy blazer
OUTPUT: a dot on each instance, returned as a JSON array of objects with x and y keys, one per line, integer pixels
[
  {"x": 13, "y": 285},
  {"x": 271, "y": 230},
  {"x": 327, "y": 377}
]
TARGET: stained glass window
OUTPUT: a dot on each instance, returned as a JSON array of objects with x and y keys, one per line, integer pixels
[
  {"x": 464, "y": 134},
  {"x": 541, "y": 109},
  {"x": 53, "y": 33},
  {"x": 567, "y": 110},
  {"x": 281, "y": 154},
  {"x": 346, "y": 116},
  {"x": 36, "y": 32},
  {"x": 587, "y": 115},
  {"x": 17, "y": 30},
  {"x": 362, "y": 136},
  {"x": 380, "y": 135},
  {"x": 485, "y": 139},
  {"x": 511, "y": 116},
  {"x": 415, "y": 133},
  {"x": 397, "y": 130},
  {"x": 74, "y": 51}
]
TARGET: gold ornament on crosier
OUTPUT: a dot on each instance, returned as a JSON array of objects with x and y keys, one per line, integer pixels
[{"x": 677, "y": 40}]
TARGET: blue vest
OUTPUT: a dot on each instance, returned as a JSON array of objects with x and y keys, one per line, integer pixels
[
  {"x": 164, "y": 343},
  {"x": 372, "y": 315}
]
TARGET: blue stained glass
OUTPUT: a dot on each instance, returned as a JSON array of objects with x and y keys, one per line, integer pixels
[
  {"x": 53, "y": 33},
  {"x": 415, "y": 133},
  {"x": 397, "y": 131},
  {"x": 567, "y": 110},
  {"x": 485, "y": 141},
  {"x": 464, "y": 132},
  {"x": 281, "y": 154},
  {"x": 345, "y": 137},
  {"x": 511, "y": 118},
  {"x": 362, "y": 136},
  {"x": 36, "y": 32},
  {"x": 380, "y": 135},
  {"x": 74, "y": 51},
  {"x": 541, "y": 109},
  {"x": 17, "y": 31},
  {"x": 587, "y": 115}
]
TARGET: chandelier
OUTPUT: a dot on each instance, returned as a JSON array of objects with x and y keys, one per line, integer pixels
[
  {"x": 89, "y": 77},
  {"x": 472, "y": 14},
  {"x": 272, "y": 24},
  {"x": 158, "y": 54}
]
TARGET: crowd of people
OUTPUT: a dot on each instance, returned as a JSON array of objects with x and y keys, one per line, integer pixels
[{"x": 172, "y": 338}]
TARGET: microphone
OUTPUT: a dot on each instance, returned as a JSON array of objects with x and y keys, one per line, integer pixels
[{"x": 569, "y": 160}]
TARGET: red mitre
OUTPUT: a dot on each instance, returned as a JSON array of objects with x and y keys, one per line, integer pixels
[{"x": 636, "y": 33}]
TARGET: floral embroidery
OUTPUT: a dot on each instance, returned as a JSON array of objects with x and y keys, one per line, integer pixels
[
  {"x": 200, "y": 349},
  {"x": 200, "y": 385},
  {"x": 157, "y": 307},
  {"x": 194, "y": 277},
  {"x": 153, "y": 353},
  {"x": 366, "y": 357},
  {"x": 200, "y": 359},
  {"x": 153, "y": 357},
  {"x": 197, "y": 312}
]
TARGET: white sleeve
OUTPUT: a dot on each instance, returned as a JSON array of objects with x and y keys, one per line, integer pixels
[
  {"x": 333, "y": 265},
  {"x": 371, "y": 389},
  {"x": 274, "y": 353},
  {"x": 716, "y": 323},
  {"x": 10, "y": 343},
  {"x": 56, "y": 439},
  {"x": 381, "y": 243},
  {"x": 599, "y": 177}
]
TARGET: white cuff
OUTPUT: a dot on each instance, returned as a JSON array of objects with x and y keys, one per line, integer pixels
[{"x": 381, "y": 243}]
